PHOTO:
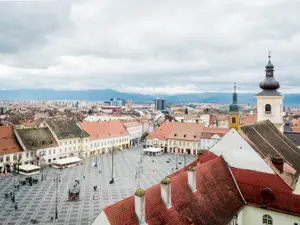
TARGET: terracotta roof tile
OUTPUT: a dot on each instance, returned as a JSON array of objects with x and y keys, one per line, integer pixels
[
  {"x": 267, "y": 191},
  {"x": 249, "y": 119},
  {"x": 202, "y": 207},
  {"x": 178, "y": 131},
  {"x": 208, "y": 132},
  {"x": 104, "y": 129},
  {"x": 268, "y": 141},
  {"x": 296, "y": 129},
  {"x": 8, "y": 141}
]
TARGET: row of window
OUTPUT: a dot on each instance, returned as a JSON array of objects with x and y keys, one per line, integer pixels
[
  {"x": 71, "y": 141},
  {"x": 15, "y": 157},
  {"x": 103, "y": 143}
]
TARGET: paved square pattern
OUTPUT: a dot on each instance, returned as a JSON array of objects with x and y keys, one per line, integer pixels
[{"x": 38, "y": 201}]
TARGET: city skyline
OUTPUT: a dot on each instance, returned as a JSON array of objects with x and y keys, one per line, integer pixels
[{"x": 149, "y": 48}]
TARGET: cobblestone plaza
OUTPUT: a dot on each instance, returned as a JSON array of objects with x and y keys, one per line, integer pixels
[{"x": 38, "y": 201}]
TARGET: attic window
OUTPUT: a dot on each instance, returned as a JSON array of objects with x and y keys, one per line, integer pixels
[
  {"x": 175, "y": 135},
  {"x": 184, "y": 135},
  {"x": 195, "y": 136}
]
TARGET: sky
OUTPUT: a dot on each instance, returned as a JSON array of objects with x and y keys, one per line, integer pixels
[{"x": 149, "y": 47}]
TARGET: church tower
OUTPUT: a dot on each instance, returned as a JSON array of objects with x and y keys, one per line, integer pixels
[
  {"x": 234, "y": 112},
  {"x": 269, "y": 100}
]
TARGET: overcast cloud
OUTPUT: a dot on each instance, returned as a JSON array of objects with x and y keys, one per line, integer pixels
[{"x": 157, "y": 46}]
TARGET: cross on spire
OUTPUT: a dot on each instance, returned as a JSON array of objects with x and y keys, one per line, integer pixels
[
  {"x": 234, "y": 87},
  {"x": 269, "y": 56}
]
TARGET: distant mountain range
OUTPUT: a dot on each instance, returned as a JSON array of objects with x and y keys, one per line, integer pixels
[{"x": 290, "y": 100}]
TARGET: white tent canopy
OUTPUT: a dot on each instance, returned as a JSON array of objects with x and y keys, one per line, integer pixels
[
  {"x": 29, "y": 169},
  {"x": 153, "y": 151},
  {"x": 67, "y": 160}
]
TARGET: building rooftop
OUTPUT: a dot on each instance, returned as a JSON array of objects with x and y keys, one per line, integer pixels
[
  {"x": 8, "y": 141},
  {"x": 267, "y": 191},
  {"x": 104, "y": 129},
  {"x": 269, "y": 142},
  {"x": 178, "y": 131},
  {"x": 249, "y": 119},
  {"x": 36, "y": 138},
  {"x": 202, "y": 207},
  {"x": 66, "y": 129}
]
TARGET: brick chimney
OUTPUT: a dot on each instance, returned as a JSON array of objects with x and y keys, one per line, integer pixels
[
  {"x": 192, "y": 178},
  {"x": 165, "y": 189},
  {"x": 139, "y": 205}
]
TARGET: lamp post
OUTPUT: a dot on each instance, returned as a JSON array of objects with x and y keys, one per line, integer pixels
[
  {"x": 176, "y": 161},
  {"x": 42, "y": 154},
  {"x": 139, "y": 171},
  {"x": 56, "y": 180},
  {"x": 112, "y": 166}
]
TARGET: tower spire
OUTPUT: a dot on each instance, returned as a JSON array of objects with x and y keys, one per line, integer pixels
[
  {"x": 269, "y": 56},
  {"x": 234, "y": 96}
]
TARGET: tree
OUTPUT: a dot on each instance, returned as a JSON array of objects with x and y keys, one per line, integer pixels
[{"x": 145, "y": 135}]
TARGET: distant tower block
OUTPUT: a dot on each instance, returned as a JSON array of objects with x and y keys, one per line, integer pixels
[{"x": 269, "y": 100}]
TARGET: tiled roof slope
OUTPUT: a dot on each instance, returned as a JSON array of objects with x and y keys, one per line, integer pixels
[
  {"x": 268, "y": 141},
  {"x": 36, "y": 138},
  {"x": 8, "y": 141},
  {"x": 212, "y": 203},
  {"x": 105, "y": 129},
  {"x": 66, "y": 129},
  {"x": 267, "y": 191},
  {"x": 294, "y": 137},
  {"x": 178, "y": 131},
  {"x": 249, "y": 119},
  {"x": 161, "y": 132}
]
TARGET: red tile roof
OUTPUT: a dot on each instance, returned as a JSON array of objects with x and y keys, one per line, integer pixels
[
  {"x": 131, "y": 123},
  {"x": 212, "y": 203},
  {"x": 296, "y": 129},
  {"x": 161, "y": 132},
  {"x": 249, "y": 119},
  {"x": 208, "y": 132},
  {"x": 8, "y": 141},
  {"x": 267, "y": 191},
  {"x": 104, "y": 129},
  {"x": 178, "y": 131}
]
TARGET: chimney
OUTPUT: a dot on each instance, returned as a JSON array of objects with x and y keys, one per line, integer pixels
[
  {"x": 278, "y": 162},
  {"x": 139, "y": 205},
  {"x": 192, "y": 178},
  {"x": 165, "y": 189}
]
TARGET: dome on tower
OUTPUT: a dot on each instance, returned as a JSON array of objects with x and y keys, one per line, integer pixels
[{"x": 269, "y": 84}]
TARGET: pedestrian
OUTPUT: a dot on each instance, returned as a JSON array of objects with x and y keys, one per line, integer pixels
[
  {"x": 84, "y": 177},
  {"x": 16, "y": 207},
  {"x": 93, "y": 197}
]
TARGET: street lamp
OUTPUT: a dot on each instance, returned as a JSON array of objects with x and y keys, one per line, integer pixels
[
  {"x": 42, "y": 154},
  {"x": 56, "y": 180},
  {"x": 184, "y": 159},
  {"x": 176, "y": 161},
  {"x": 139, "y": 171},
  {"x": 112, "y": 166}
]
